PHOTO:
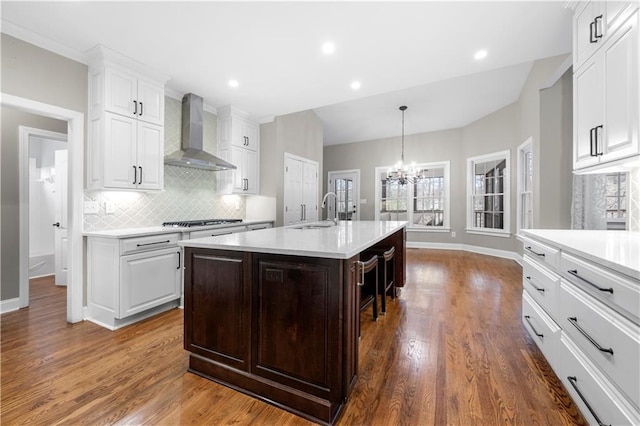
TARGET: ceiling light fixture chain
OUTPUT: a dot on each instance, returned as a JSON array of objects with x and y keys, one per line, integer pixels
[{"x": 402, "y": 173}]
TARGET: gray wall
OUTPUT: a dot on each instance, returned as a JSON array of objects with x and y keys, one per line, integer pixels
[
  {"x": 298, "y": 134},
  {"x": 554, "y": 179},
  {"x": 34, "y": 73},
  {"x": 505, "y": 129}
]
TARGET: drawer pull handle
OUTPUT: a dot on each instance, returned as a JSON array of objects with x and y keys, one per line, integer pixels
[
  {"x": 573, "y": 380},
  {"x": 534, "y": 252},
  {"x": 150, "y": 244},
  {"x": 541, "y": 290},
  {"x": 222, "y": 233},
  {"x": 528, "y": 318},
  {"x": 179, "y": 261},
  {"x": 574, "y": 272},
  {"x": 574, "y": 321}
]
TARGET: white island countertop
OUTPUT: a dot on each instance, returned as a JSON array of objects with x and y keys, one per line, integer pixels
[
  {"x": 618, "y": 250},
  {"x": 341, "y": 241}
]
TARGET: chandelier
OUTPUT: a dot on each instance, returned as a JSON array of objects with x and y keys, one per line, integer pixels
[{"x": 401, "y": 172}]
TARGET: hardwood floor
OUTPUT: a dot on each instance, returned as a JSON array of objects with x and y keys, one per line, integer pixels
[{"x": 451, "y": 350}]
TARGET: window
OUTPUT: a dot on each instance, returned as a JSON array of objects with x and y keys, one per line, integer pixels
[
  {"x": 616, "y": 200},
  {"x": 488, "y": 194},
  {"x": 525, "y": 186},
  {"x": 424, "y": 202}
]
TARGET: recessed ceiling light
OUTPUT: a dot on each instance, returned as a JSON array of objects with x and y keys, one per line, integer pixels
[
  {"x": 328, "y": 48},
  {"x": 355, "y": 85},
  {"x": 480, "y": 54},
  {"x": 234, "y": 83}
]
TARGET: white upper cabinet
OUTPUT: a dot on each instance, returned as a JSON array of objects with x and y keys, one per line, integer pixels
[
  {"x": 300, "y": 190},
  {"x": 133, "y": 97},
  {"x": 126, "y": 110},
  {"x": 607, "y": 92},
  {"x": 239, "y": 144}
]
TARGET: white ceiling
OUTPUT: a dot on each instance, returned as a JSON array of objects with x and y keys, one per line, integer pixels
[{"x": 418, "y": 54}]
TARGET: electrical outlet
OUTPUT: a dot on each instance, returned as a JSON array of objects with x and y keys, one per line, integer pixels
[
  {"x": 237, "y": 205},
  {"x": 453, "y": 234},
  {"x": 109, "y": 207},
  {"x": 90, "y": 207}
]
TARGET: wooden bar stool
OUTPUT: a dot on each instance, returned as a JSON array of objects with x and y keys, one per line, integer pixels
[
  {"x": 369, "y": 285},
  {"x": 386, "y": 273}
]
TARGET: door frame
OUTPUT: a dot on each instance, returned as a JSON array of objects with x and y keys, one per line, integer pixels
[
  {"x": 356, "y": 184},
  {"x": 24, "y": 135},
  {"x": 75, "y": 142}
]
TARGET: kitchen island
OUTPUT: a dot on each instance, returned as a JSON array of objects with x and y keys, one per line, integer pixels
[{"x": 274, "y": 313}]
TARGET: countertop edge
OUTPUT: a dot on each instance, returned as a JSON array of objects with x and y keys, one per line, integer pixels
[
  {"x": 542, "y": 235},
  {"x": 154, "y": 230}
]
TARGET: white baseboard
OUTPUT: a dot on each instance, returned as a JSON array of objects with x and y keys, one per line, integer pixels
[
  {"x": 464, "y": 247},
  {"x": 9, "y": 305}
]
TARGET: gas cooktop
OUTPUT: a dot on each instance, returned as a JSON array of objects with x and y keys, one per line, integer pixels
[{"x": 200, "y": 222}]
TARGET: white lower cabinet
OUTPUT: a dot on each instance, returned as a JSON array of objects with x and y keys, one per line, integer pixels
[
  {"x": 129, "y": 279},
  {"x": 583, "y": 316},
  {"x": 598, "y": 399},
  {"x": 149, "y": 279}
]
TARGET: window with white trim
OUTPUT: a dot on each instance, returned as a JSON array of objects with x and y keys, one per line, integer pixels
[
  {"x": 423, "y": 201},
  {"x": 488, "y": 194},
  {"x": 524, "y": 206}
]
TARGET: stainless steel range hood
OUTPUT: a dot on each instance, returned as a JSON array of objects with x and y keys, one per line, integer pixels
[{"x": 192, "y": 155}]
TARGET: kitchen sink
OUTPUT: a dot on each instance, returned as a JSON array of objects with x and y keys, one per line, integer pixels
[{"x": 316, "y": 225}]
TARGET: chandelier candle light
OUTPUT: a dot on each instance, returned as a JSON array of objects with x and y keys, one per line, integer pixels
[{"x": 401, "y": 172}]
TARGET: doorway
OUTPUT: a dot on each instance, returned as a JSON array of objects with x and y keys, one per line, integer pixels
[
  {"x": 346, "y": 185},
  {"x": 44, "y": 153},
  {"x": 75, "y": 142}
]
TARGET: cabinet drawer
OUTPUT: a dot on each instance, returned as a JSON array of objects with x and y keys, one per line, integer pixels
[
  {"x": 543, "y": 285},
  {"x": 609, "y": 340},
  {"x": 543, "y": 330},
  {"x": 542, "y": 253},
  {"x": 590, "y": 390},
  {"x": 216, "y": 231},
  {"x": 152, "y": 242},
  {"x": 606, "y": 285}
]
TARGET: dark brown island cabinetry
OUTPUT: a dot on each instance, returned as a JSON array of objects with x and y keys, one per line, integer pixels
[{"x": 278, "y": 327}]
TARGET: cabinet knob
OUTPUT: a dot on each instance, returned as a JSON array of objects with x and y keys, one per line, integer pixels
[{"x": 57, "y": 224}]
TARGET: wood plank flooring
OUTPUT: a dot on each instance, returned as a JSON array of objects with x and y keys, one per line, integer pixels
[{"x": 450, "y": 351}]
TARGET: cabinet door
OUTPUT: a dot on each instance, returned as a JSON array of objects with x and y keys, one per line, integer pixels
[
  {"x": 149, "y": 159},
  {"x": 120, "y": 92},
  {"x": 150, "y": 102},
  {"x": 588, "y": 101},
  {"x": 148, "y": 280},
  {"x": 620, "y": 57},
  {"x": 252, "y": 172},
  {"x": 588, "y": 23},
  {"x": 252, "y": 133},
  {"x": 120, "y": 152},
  {"x": 239, "y": 159},
  {"x": 217, "y": 299}
]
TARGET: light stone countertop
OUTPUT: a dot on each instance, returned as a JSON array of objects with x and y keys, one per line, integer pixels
[
  {"x": 154, "y": 230},
  {"x": 341, "y": 241},
  {"x": 617, "y": 250}
]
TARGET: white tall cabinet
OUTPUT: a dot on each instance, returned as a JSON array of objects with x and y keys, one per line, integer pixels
[
  {"x": 300, "y": 190},
  {"x": 606, "y": 84},
  {"x": 239, "y": 144},
  {"x": 126, "y": 127}
]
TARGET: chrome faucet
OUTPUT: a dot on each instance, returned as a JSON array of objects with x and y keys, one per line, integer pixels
[{"x": 324, "y": 203}]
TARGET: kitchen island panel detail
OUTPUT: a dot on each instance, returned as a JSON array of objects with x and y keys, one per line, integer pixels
[
  {"x": 218, "y": 295},
  {"x": 297, "y": 314}
]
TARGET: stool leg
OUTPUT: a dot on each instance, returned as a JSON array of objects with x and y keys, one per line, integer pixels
[{"x": 383, "y": 286}]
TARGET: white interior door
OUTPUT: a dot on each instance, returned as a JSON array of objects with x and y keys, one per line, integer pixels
[
  {"x": 292, "y": 191},
  {"x": 61, "y": 241},
  {"x": 346, "y": 185}
]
